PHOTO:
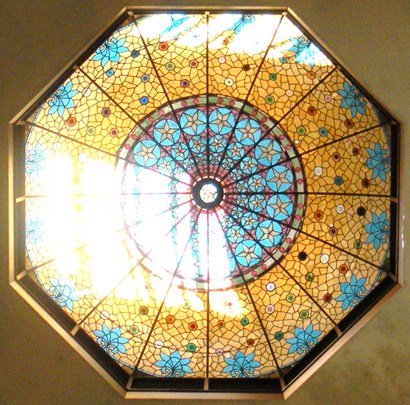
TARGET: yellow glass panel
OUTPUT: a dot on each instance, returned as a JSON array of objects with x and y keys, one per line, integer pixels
[
  {"x": 236, "y": 54},
  {"x": 207, "y": 195}
]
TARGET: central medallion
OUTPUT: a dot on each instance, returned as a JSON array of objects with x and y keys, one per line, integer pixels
[
  {"x": 212, "y": 193},
  {"x": 207, "y": 193}
]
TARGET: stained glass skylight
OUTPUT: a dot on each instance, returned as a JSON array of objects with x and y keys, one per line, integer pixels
[{"x": 208, "y": 205}]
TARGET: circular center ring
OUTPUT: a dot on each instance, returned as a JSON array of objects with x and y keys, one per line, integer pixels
[
  {"x": 224, "y": 177},
  {"x": 207, "y": 193}
]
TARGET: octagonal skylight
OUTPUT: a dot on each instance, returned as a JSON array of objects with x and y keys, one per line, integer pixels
[{"x": 205, "y": 202}]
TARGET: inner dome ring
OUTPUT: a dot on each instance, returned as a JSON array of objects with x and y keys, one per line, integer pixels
[{"x": 213, "y": 242}]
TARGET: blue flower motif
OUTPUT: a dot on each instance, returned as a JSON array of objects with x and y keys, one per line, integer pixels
[
  {"x": 111, "y": 340},
  {"x": 305, "y": 51},
  {"x": 378, "y": 161},
  {"x": 378, "y": 230},
  {"x": 352, "y": 99},
  {"x": 352, "y": 292},
  {"x": 304, "y": 339},
  {"x": 173, "y": 365},
  {"x": 110, "y": 51},
  {"x": 241, "y": 366},
  {"x": 35, "y": 231},
  {"x": 62, "y": 292},
  {"x": 244, "y": 20},
  {"x": 35, "y": 159},
  {"x": 61, "y": 99},
  {"x": 176, "y": 21}
]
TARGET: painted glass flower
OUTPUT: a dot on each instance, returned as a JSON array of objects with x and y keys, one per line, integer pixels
[
  {"x": 176, "y": 21},
  {"x": 378, "y": 230},
  {"x": 352, "y": 292},
  {"x": 35, "y": 159},
  {"x": 110, "y": 51},
  {"x": 62, "y": 292},
  {"x": 62, "y": 99},
  {"x": 352, "y": 99},
  {"x": 241, "y": 365},
  {"x": 379, "y": 161},
  {"x": 305, "y": 51},
  {"x": 111, "y": 340},
  {"x": 244, "y": 20},
  {"x": 304, "y": 339},
  {"x": 35, "y": 231},
  {"x": 173, "y": 365}
]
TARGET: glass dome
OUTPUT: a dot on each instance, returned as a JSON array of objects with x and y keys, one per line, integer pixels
[{"x": 209, "y": 202}]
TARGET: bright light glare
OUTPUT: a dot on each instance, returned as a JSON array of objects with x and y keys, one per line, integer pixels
[
  {"x": 160, "y": 286},
  {"x": 256, "y": 37},
  {"x": 108, "y": 257},
  {"x": 216, "y": 26},
  {"x": 195, "y": 38},
  {"x": 221, "y": 23},
  {"x": 281, "y": 44},
  {"x": 286, "y": 30},
  {"x": 225, "y": 302},
  {"x": 219, "y": 269},
  {"x": 138, "y": 285},
  {"x": 194, "y": 300},
  {"x": 153, "y": 26},
  {"x": 60, "y": 228}
]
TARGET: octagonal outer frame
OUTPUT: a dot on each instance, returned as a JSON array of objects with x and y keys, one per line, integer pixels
[{"x": 311, "y": 362}]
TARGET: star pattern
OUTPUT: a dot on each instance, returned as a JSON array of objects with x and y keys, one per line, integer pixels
[
  {"x": 217, "y": 143},
  {"x": 166, "y": 133},
  {"x": 235, "y": 151},
  {"x": 269, "y": 232},
  {"x": 248, "y": 253},
  {"x": 235, "y": 234},
  {"x": 147, "y": 153},
  {"x": 248, "y": 165},
  {"x": 194, "y": 123},
  {"x": 244, "y": 161},
  {"x": 268, "y": 152},
  {"x": 256, "y": 183},
  {"x": 179, "y": 151},
  {"x": 249, "y": 221},
  {"x": 221, "y": 121},
  {"x": 257, "y": 203},
  {"x": 281, "y": 209},
  {"x": 279, "y": 179},
  {"x": 247, "y": 133}
]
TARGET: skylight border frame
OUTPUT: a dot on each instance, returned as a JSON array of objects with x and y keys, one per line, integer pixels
[{"x": 83, "y": 344}]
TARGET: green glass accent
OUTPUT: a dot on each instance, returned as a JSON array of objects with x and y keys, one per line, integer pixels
[
  {"x": 279, "y": 335},
  {"x": 338, "y": 181},
  {"x": 244, "y": 321},
  {"x": 304, "y": 314},
  {"x": 309, "y": 276},
  {"x": 170, "y": 66},
  {"x": 191, "y": 347},
  {"x": 301, "y": 130},
  {"x": 270, "y": 99},
  {"x": 290, "y": 298}
]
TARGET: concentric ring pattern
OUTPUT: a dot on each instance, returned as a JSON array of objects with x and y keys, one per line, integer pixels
[
  {"x": 261, "y": 180},
  {"x": 207, "y": 195}
]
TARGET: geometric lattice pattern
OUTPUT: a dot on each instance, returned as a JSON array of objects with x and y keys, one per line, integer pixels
[{"x": 209, "y": 202}]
